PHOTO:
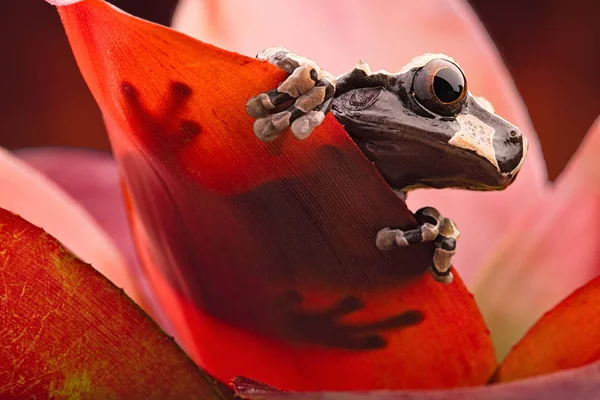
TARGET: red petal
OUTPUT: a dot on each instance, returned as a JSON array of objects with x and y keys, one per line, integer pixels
[
  {"x": 566, "y": 337},
  {"x": 66, "y": 331},
  {"x": 263, "y": 254},
  {"x": 580, "y": 384}
]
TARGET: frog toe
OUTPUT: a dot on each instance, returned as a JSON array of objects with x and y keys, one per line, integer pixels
[
  {"x": 300, "y": 102},
  {"x": 269, "y": 128},
  {"x": 266, "y": 103},
  {"x": 305, "y": 124},
  {"x": 445, "y": 278},
  {"x": 445, "y": 248}
]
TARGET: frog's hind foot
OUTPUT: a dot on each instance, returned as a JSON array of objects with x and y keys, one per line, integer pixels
[
  {"x": 300, "y": 102},
  {"x": 432, "y": 227}
]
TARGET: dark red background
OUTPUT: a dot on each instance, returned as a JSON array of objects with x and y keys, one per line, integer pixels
[{"x": 550, "y": 47}]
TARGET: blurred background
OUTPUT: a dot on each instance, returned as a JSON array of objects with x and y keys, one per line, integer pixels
[{"x": 551, "y": 48}]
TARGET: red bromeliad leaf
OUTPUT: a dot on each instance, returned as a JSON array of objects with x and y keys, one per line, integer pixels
[
  {"x": 67, "y": 332},
  {"x": 566, "y": 337},
  {"x": 263, "y": 253}
]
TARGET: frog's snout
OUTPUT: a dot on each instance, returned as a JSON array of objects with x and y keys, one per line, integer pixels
[
  {"x": 512, "y": 175},
  {"x": 510, "y": 148}
]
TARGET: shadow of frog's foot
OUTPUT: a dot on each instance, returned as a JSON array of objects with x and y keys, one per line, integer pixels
[
  {"x": 326, "y": 328},
  {"x": 163, "y": 131}
]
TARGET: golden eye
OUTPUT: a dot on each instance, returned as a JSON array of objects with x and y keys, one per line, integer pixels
[{"x": 440, "y": 87}]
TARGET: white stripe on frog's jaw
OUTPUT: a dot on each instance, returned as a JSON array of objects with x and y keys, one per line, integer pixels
[
  {"x": 478, "y": 133},
  {"x": 477, "y": 136}
]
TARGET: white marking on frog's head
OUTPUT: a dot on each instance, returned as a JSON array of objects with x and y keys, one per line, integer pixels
[
  {"x": 475, "y": 135},
  {"x": 265, "y": 54},
  {"x": 485, "y": 103},
  {"x": 416, "y": 62},
  {"x": 421, "y": 60},
  {"x": 362, "y": 65}
]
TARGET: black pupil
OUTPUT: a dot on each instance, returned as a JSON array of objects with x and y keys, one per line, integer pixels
[{"x": 448, "y": 85}]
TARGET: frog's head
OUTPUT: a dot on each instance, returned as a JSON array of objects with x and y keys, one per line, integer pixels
[{"x": 422, "y": 128}]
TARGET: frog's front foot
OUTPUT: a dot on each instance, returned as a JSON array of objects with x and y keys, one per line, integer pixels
[
  {"x": 299, "y": 102},
  {"x": 432, "y": 227}
]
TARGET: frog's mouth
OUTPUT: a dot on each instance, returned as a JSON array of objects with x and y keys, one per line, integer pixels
[
  {"x": 487, "y": 179},
  {"x": 411, "y": 163}
]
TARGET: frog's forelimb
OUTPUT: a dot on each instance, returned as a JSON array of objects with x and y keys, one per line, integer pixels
[
  {"x": 300, "y": 102},
  {"x": 433, "y": 227}
]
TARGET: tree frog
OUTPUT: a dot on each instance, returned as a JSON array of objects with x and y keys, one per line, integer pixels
[{"x": 420, "y": 127}]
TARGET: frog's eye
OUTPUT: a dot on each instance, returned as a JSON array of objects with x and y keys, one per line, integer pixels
[{"x": 440, "y": 87}]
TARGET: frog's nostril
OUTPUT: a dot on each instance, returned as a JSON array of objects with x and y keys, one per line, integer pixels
[{"x": 514, "y": 137}]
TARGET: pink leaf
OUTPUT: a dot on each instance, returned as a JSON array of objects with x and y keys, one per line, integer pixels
[
  {"x": 551, "y": 251},
  {"x": 27, "y": 192}
]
